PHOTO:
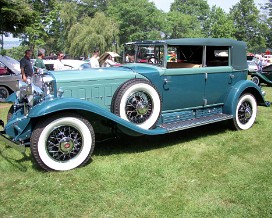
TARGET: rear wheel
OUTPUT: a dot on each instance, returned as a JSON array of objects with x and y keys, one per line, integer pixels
[
  {"x": 62, "y": 142},
  {"x": 246, "y": 112}
]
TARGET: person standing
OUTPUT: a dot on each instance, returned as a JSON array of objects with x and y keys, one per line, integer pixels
[
  {"x": 26, "y": 66},
  {"x": 39, "y": 64},
  {"x": 94, "y": 59},
  {"x": 58, "y": 64}
]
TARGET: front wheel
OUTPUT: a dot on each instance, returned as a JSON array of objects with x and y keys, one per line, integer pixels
[
  {"x": 246, "y": 112},
  {"x": 256, "y": 80},
  {"x": 62, "y": 142}
]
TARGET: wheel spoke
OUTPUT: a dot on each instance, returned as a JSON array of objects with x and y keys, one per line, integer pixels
[
  {"x": 245, "y": 112},
  {"x": 139, "y": 107},
  {"x": 64, "y": 143}
]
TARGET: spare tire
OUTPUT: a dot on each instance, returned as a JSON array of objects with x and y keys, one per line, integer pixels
[{"x": 139, "y": 102}]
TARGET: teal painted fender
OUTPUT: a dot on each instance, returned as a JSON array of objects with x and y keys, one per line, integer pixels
[
  {"x": 11, "y": 98},
  {"x": 237, "y": 90},
  {"x": 62, "y": 104}
]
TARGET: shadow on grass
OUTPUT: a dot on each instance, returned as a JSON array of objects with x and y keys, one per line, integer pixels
[
  {"x": 16, "y": 163},
  {"x": 129, "y": 144}
]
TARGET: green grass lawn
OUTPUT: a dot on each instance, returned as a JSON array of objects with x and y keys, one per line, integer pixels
[{"x": 210, "y": 171}]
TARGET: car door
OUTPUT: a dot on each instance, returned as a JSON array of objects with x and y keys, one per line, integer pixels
[
  {"x": 184, "y": 78},
  {"x": 183, "y": 88},
  {"x": 219, "y": 74}
]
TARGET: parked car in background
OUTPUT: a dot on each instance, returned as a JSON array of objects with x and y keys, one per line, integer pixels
[
  {"x": 252, "y": 67},
  {"x": 61, "y": 114},
  {"x": 69, "y": 64},
  {"x": 9, "y": 74},
  {"x": 263, "y": 76}
]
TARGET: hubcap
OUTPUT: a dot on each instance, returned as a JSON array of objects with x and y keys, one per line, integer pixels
[
  {"x": 245, "y": 112},
  {"x": 139, "y": 107},
  {"x": 64, "y": 143}
]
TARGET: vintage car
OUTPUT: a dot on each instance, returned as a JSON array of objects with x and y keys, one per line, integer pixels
[
  {"x": 60, "y": 114},
  {"x": 9, "y": 75},
  {"x": 263, "y": 76}
]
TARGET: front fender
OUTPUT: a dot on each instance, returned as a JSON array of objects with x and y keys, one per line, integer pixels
[
  {"x": 245, "y": 86},
  {"x": 62, "y": 104},
  {"x": 11, "y": 98}
]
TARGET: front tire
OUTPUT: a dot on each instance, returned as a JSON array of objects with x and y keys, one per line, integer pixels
[
  {"x": 256, "y": 80},
  {"x": 62, "y": 143},
  {"x": 246, "y": 112}
]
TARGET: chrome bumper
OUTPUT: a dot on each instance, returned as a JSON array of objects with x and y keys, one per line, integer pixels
[{"x": 19, "y": 147}]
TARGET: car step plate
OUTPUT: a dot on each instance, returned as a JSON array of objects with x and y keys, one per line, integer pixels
[{"x": 171, "y": 127}]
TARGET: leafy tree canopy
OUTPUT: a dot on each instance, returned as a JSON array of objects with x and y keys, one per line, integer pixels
[
  {"x": 138, "y": 20},
  {"x": 246, "y": 19},
  {"x": 15, "y": 15}
]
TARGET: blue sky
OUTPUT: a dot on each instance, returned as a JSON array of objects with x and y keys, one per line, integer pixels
[{"x": 224, "y": 4}]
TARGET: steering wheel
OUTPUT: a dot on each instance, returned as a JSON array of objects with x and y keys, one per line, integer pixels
[{"x": 153, "y": 60}]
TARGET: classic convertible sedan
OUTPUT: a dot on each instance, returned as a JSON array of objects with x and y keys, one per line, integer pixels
[{"x": 60, "y": 113}]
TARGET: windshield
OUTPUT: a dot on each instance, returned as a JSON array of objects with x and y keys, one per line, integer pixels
[{"x": 150, "y": 54}]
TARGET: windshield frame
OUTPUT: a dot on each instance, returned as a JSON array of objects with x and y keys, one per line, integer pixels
[{"x": 158, "y": 46}]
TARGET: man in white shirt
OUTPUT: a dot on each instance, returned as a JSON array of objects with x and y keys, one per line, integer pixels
[
  {"x": 58, "y": 65},
  {"x": 94, "y": 59}
]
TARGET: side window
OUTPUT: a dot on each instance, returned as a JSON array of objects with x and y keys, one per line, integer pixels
[
  {"x": 217, "y": 56},
  {"x": 184, "y": 56}
]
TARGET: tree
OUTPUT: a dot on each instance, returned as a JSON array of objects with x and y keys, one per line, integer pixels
[
  {"x": 246, "y": 19},
  {"x": 15, "y": 16},
  {"x": 267, "y": 22},
  {"x": 182, "y": 26},
  {"x": 197, "y": 8},
  {"x": 91, "y": 33},
  {"x": 219, "y": 24},
  {"x": 138, "y": 20}
]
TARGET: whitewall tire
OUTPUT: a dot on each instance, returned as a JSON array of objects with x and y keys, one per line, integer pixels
[
  {"x": 62, "y": 142},
  {"x": 246, "y": 112},
  {"x": 138, "y": 101}
]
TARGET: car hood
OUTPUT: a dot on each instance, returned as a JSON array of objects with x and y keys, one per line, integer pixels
[
  {"x": 93, "y": 74},
  {"x": 11, "y": 63}
]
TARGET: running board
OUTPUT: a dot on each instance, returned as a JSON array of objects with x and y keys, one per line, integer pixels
[{"x": 187, "y": 124}]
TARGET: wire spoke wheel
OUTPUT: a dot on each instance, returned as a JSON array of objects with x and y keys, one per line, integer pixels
[
  {"x": 64, "y": 143},
  {"x": 139, "y": 107},
  {"x": 245, "y": 112},
  {"x": 138, "y": 102}
]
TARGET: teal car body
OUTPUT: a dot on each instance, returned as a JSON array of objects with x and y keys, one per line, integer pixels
[{"x": 182, "y": 83}]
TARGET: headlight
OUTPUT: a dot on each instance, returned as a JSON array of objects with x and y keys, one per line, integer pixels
[
  {"x": 48, "y": 85},
  {"x": 24, "y": 89}
]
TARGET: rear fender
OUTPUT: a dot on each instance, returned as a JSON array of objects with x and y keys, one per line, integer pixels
[{"x": 239, "y": 89}]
